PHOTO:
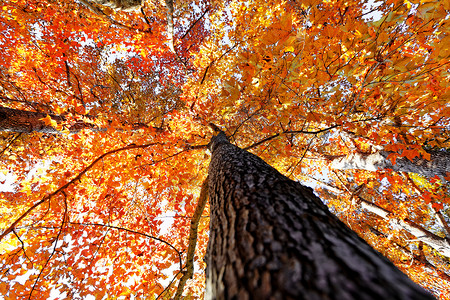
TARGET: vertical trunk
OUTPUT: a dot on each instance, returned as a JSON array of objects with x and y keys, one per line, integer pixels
[
  {"x": 272, "y": 238},
  {"x": 439, "y": 163}
]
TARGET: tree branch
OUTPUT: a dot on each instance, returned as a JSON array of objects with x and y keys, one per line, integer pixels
[
  {"x": 101, "y": 13},
  {"x": 54, "y": 247},
  {"x": 62, "y": 188},
  {"x": 135, "y": 232},
  {"x": 193, "y": 239},
  {"x": 436, "y": 242},
  {"x": 193, "y": 24},
  {"x": 417, "y": 258},
  {"x": 169, "y": 6},
  {"x": 287, "y": 132},
  {"x": 10, "y": 143},
  {"x": 439, "y": 216},
  {"x": 215, "y": 60},
  {"x": 168, "y": 286}
]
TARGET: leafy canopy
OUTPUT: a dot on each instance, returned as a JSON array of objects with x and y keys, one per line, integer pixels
[{"x": 106, "y": 211}]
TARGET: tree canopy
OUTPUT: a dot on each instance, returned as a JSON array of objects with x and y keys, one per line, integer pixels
[{"x": 349, "y": 97}]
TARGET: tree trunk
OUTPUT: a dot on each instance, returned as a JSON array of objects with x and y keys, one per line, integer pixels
[
  {"x": 272, "y": 238},
  {"x": 14, "y": 120},
  {"x": 439, "y": 163},
  {"x": 124, "y": 5},
  {"x": 441, "y": 245}
]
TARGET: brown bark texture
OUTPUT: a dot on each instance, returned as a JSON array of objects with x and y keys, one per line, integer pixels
[
  {"x": 272, "y": 238},
  {"x": 14, "y": 120},
  {"x": 21, "y": 121}
]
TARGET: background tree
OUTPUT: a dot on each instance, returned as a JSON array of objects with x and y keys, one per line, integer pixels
[{"x": 297, "y": 83}]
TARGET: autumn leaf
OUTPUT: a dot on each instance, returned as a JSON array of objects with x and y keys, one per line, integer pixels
[
  {"x": 392, "y": 157},
  {"x": 50, "y": 122},
  {"x": 437, "y": 206}
]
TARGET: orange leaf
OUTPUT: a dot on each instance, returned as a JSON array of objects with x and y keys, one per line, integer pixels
[
  {"x": 314, "y": 117},
  {"x": 392, "y": 157},
  {"x": 410, "y": 154},
  {"x": 427, "y": 197},
  {"x": 437, "y": 206},
  {"x": 426, "y": 155},
  {"x": 49, "y": 121}
]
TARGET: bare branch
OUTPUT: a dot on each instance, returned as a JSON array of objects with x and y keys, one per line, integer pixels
[
  {"x": 436, "y": 242},
  {"x": 54, "y": 247},
  {"x": 168, "y": 286},
  {"x": 193, "y": 24},
  {"x": 169, "y": 6},
  {"x": 10, "y": 143},
  {"x": 101, "y": 13},
  {"x": 23, "y": 246},
  {"x": 289, "y": 132}
]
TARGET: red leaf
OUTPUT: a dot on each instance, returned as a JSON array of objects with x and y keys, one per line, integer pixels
[
  {"x": 437, "y": 206},
  {"x": 392, "y": 157}
]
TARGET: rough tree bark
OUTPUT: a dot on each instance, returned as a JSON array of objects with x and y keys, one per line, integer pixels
[
  {"x": 21, "y": 121},
  {"x": 272, "y": 238},
  {"x": 14, "y": 120},
  {"x": 439, "y": 163}
]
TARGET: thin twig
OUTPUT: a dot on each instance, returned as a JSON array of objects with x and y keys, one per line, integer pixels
[
  {"x": 303, "y": 156},
  {"x": 168, "y": 286},
  {"x": 23, "y": 247},
  {"x": 216, "y": 60},
  {"x": 193, "y": 24},
  {"x": 10, "y": 143},
  {"x": 54, "y": 248},
  {"x": 292, "y": 132}
]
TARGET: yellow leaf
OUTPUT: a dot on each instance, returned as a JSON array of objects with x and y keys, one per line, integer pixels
[
  {"x": 59, "y": 110},
  {"x": 289, "y": 49},
  {"x": 426, "y": 155},
  {"x": 49, "y": 121}
]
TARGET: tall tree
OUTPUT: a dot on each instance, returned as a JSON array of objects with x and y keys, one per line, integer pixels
[{"x": 272, "y": 238}]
